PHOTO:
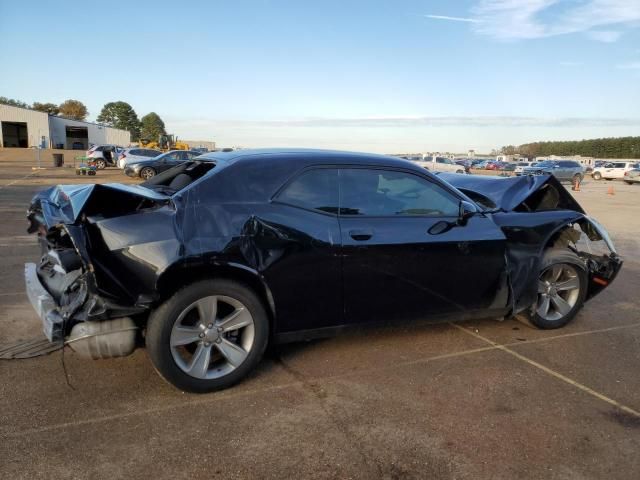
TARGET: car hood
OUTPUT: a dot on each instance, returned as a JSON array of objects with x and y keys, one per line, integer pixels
[
  {"x": 63, "y": 204},
  {"x": 508, "y": 193}
]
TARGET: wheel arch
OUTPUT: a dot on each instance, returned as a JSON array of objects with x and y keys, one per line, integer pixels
[{"x": 182, "y": 274}]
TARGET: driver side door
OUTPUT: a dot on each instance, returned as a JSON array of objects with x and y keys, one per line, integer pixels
[{"x": 396, "y": 266}]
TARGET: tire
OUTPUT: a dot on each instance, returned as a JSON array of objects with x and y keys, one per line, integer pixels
[
  {"x": 176, "y": 333},
  {"x": 597, "y": 176},
  {"x": 573, "y": 273},
  {"x": 147, "y": 172},
  {"x": 101, "y": 164}
]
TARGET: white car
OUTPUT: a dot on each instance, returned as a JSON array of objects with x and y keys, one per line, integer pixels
[
  {"x": 610, "y": 171},
  {"x": 520, "y": 166},
  {"x": 439, "y": 164},
  {"x": 134, "y": 155}
]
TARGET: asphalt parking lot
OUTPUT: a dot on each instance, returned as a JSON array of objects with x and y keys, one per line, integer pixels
[{"x": 483, "y": 399}]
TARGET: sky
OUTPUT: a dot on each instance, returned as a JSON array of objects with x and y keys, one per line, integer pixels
[{"x": 382, "y": 76}]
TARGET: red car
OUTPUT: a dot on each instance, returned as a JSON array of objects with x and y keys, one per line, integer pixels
[{"x": 493, "y": 166}]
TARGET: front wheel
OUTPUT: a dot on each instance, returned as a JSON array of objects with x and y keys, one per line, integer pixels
[
  {"x": 147, "y": 173},
  {"x": 562, "y": 288},
  {"x": 597, "y": 176},
  {"x": 208, "y": 336},
  {"x": 101, "y": 164}
]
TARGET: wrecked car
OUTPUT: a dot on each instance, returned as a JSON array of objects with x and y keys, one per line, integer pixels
[{"x": 210, "y": 261}]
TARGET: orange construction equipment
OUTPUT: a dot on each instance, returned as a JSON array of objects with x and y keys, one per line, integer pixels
[{"x": 610, "y": 191}]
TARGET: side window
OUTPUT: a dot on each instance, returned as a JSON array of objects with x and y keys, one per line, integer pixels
[
  {"x": 315, "y": 189},
  {"x": 385, "y": 192},
  {"x": 619, "y": 165},
  {"x": 150, "y": 153},
  {"x": 134, "y": 152}
]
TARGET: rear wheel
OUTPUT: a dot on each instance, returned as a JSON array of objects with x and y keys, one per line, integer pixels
[
  {"x": 147, "y": 173},
  {"x": 101, "y": 164},
  {"x": 562, "y": 287},
  {"x": 208, "y": 336}
]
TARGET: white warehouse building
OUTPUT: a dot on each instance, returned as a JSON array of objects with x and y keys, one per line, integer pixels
[{"x": 24, "y": 128}]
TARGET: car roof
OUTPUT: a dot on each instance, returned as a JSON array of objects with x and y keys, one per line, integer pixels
[{"x": 309, "y": 156}]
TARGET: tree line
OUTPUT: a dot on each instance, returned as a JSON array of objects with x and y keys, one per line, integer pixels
[
  {"x": 614, "y": 147},
  {"x": 118, "y": 114}
]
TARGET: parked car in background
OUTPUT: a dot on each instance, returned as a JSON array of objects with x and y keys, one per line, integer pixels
[
  {"x": 151, "y": 167},
  {"x": 508, "y": 167},
  {"x": 439, "y": 164},
  {"x": 136, "y": 154},
  {"x": 211, "y": 261},
  {"x": 521, "y": 165},
  {"x": 104, "y": 155},
  {"x": 495, "y": 165},
  {"x": 464, "y": 162},
  {"x": 481, "y": 164},
  {"x": 613, "y": 170},
  {"x": 563, "y": 170},
  {"x": 632, "y": 176}
]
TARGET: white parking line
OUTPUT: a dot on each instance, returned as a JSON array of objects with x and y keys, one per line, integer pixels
[
  {"x": 224, "y": 395},
  {"x": 18, "y": 179},
  {"x": 551, "y": 372}
]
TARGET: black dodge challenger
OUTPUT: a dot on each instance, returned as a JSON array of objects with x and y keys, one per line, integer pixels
[{"x": 210, "y": 261}]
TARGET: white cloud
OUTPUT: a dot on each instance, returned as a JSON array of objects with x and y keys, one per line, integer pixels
[
  {"x": 426, "y": 121},
  {"x": 629, "y": 66},
  {"x": 606, "y": 36},
  {"x": 453, "y": 19},
  {"x": 526, "y": 19}
]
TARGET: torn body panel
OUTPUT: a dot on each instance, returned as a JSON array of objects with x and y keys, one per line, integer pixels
[{"x": 533, "y": 212}]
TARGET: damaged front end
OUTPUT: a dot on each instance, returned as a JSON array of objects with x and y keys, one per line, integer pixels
[
  {"x": 74, "y": 287},
  {"x": 537, "y": 212}
]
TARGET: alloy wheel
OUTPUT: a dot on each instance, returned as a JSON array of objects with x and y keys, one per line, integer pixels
[
  {"x": 147, "y": 173},
  {"x": 558, "y": 291},
  {"x": 212, "y": 337}
]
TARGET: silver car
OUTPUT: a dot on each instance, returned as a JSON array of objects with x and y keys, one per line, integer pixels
[
  {"x": 136, "y": 154},
  {"x": 104, "y": 155},
  {"x": 563, "y": 170}
]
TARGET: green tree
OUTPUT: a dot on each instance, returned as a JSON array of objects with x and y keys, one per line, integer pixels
[
  {"x": 509, "y": 150},
  {"x": 120, "y": 115},
  {"x": 151, "y": 126},
  {"x": 50, "y": 108},
  {"x": 73, "y": 109},
  {"x": 13, "y": 103}
]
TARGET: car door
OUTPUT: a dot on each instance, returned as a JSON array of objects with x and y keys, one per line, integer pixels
[{"x": 398, "y": 262}]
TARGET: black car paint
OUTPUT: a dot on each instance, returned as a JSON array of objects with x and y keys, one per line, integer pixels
[{"x": 314, "y": 276}]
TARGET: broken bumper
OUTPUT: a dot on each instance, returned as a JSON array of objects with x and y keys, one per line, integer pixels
[{"x": 44, "y": 305}]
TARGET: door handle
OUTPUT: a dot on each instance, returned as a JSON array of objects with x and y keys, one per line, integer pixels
[{"x": 361, "y": 235}]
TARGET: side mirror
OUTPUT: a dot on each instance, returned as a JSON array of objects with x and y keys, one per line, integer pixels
[{"x": 466, "y": 210}]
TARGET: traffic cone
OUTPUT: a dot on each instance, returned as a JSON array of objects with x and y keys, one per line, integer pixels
[
  {"x": 576, "y": 185},
  {"x": 610, "y": 191}
]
